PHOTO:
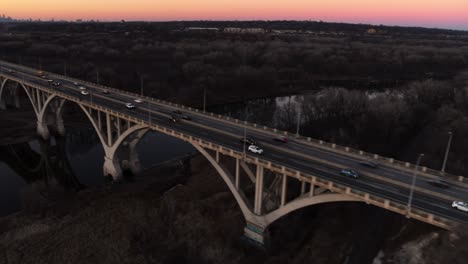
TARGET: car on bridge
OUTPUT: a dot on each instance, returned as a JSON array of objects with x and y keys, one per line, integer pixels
[
  {"x": 439, "y": 183},
  {"x": 82, "y": 88},
  {"x": 248, "y": 141},
  {"x": 130, "y": 106},
  {"x": 56, "y": 84},
  {"x": 369, "y": 164},
  {"x": 177, "y": 112},
  {"x": 11, "y": 71},
  {"x": 460, "y": 205},
  {"x": 106, "y": 92},
  {"x": 186, "y": 117},
  {"x": 255, "y": 149},
  {"x": 84, "y": 92},
  {"x": 281, "y": 139},
  {"x": 138, "y": 100},
  {"x": 349, "y": 173},
  {"x": 174, "y": 119},
  {"x": 76, "y": 84}
]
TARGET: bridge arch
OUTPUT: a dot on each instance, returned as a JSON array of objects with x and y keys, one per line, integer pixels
[
  {"x": 257, "y": 222},
  {"x": 305, "y": 201},
  {"x": 2, "y": 96}
]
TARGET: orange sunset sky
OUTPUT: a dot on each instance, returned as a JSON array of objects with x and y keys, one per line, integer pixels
[{"x": 428, "y": 13}]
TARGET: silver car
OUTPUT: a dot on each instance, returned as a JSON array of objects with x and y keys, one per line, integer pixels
[
  {"x": 255, "y": 149},
  {"x": 460, "y": 206}
]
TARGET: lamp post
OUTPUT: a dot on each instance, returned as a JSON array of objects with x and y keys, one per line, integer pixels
[
  {"x": 447, "y": 151},
  {"x": 298, "y": 120},
  {"x": 245, "y": 130},
  {"x": 204, "y": 99},
  {"x": 97, "y": 76},
  {"x": 413, "y": 182},
  {"x": 141, "y": 85}
]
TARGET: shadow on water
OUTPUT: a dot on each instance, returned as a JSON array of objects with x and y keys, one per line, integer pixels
[{"x": 68, "y": 164}]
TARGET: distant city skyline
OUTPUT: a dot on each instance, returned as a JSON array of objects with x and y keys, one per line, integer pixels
[{"x": 451, "y": 14}]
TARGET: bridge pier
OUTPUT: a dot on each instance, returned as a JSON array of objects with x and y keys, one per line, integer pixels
[
  {"x": 43, "y": 130},
  {"x": 112, "y": 168},
  {"x": 134, "y": 162},
  {"x": 256, "y": 234},
  {"x": 60, "y": 126},
  {"x": 17, "y": 102}
]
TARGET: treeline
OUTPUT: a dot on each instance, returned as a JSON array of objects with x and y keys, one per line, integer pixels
[
  {"x": 399, "y": 123},
  {"x": 177, "y": 65}
]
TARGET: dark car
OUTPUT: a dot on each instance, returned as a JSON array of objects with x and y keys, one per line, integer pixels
[
  {"x": 56, "y": 84},
  {"x": 177, "y": 112},
  {"x": 368, "y": 164},
  {"x": 349, "y": 173},
  {"x": 248, "y": 141},
  {"x": 186, "y": 117},
  {"x": 174, "y": 119},
  {"x": 106, "y": 92},
  {"x": 281, "y": 139},
  {"x": 439, "y": 183}
]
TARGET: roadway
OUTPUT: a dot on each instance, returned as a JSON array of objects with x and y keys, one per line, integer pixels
[{"x": 394, "y": 184}]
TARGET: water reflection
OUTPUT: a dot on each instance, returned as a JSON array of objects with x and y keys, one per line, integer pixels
[{"x": 48, "y": 169}]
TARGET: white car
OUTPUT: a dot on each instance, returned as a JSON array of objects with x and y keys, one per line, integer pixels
[
  {"x": 129, "y": 106},
  {"x": 138, "y": 100},
  {"x": 82, "y": 88},
  {"x": 460, "y": 206},
  {"x": 76, "y": 84},
  {"x": 255, "y": 149},
  {"x": 84, "y": 93}
]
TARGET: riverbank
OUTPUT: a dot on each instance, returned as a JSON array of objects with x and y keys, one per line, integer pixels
[{"x": 184, "y": 213}]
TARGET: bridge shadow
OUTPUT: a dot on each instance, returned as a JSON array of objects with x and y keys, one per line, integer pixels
[{"x": 45, "y": 168}]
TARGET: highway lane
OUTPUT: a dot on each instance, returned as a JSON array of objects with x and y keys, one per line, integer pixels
[
  {"x": 300, "y": 148},
  {"x": 139, "y": 113},
  {"x": 390, "y": 172}
]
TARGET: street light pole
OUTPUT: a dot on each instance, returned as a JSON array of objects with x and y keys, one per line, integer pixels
[
  {"x": 245, "y": 131},
  {"x": 447, "y": 151},
  {"x": 141, "y": 85},
  {"x": 204, "y": 99},
  {"x": 413, "y": 182},
  {"x": 97, "y": 76},
  {"x": 298, "y": 120}
]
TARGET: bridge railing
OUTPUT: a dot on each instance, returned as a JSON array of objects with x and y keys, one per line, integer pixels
[{"x": 407, "y": 166}]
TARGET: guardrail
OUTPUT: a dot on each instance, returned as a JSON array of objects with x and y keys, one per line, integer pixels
[{"x": 342, "y": 150}]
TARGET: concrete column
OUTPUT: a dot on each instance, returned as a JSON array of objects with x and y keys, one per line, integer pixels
[
  {"x": 43, "y": 130},
  {"x": 217, "y": 156},
  {"x": 60, "y": 125},
  {"x": 303, "y": 187},
  {"x": 134, "y": 163},
  {"x": 2, "y": 104},
  {"x": 112, "y": 168},
  {"x": 258, "y": 191},
  {"x": 109, "y": 129},
  {"x": 283, "y": 189},
  {"x": 17, "y": 102},
  {"x": 312, "y": 190}
]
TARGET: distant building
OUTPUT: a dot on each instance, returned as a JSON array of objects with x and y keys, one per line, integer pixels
[
  {"x": 244, "y": 30},
  {"x": 371, "y": 31},
  {"x": 284, "y": 31},
  {"x": 201, "y": 29}
]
